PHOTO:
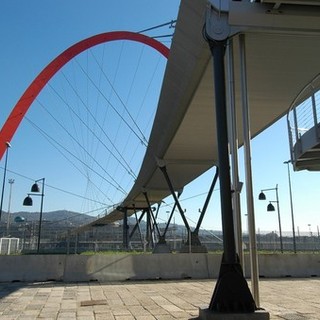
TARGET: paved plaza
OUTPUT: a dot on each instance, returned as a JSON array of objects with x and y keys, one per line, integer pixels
[{"x": 290, "y": 299}]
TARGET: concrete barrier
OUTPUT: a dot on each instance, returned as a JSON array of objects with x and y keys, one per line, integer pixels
[
  {"x": 289, "y": 265},
  {"x": 118, "y": 267},
  {"x": 136, "y": 267},
  {"x": 32, "y": 268},
  {"x": 99, "y": 267}
]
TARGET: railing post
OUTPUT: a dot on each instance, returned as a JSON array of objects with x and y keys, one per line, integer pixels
[
  {"x": 292, "y": 157},
  {"x": 314, "y": 112}
]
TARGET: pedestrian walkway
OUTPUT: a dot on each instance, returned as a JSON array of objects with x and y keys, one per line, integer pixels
[{"x": 289, "y": 299}]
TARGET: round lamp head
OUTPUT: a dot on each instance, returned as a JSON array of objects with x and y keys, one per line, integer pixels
[
  {"x": 27, "y": 201},
  {"x": 35, "y": 188},
  {"x": 262, "y": 196},
  {"x": 19, "y": 219},
  {"x": 270, "y": 207}
]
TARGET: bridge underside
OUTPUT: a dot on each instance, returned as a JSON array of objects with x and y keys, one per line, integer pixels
[{"x": 282, "y": 55}]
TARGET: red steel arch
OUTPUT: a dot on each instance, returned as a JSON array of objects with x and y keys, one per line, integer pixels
[{"x": 22, "y": 106}]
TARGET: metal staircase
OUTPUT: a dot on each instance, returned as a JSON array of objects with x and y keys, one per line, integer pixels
[{"x": 304, "y": 128}]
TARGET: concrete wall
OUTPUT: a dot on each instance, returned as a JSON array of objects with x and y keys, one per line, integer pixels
[
  {"x": 32, "y": 268},
  {"x": 134, "y": 267},
  {"x": 292, "y": 265},
  {"x": 72, "y": 268}
]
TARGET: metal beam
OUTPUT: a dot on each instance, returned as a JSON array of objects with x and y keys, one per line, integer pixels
[
  {"x": 206, "y": 203},
  {"x": 137, "y": 225},
  {"x": 165, "y": 173},
  {"x": 170, "y": 217},
  {"x": 153, "y": 220}
]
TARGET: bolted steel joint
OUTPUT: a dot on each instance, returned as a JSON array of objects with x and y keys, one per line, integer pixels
[{"x": 217, "y": 27}]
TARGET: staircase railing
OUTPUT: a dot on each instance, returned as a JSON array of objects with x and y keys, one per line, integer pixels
[{"x": 303, "y": 115}]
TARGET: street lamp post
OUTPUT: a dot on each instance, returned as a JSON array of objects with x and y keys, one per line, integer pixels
[
  {"x": 270, "y": 207},
  {"x": 8, "y": 145},
  {"x": 28, "y": 202},
  {"x": 291, "y": 206},
  {"x": 11, "y": 182}
]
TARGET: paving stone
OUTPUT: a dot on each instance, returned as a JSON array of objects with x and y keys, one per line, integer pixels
[
  {"x": 284, "y": 299},
  {"x": 147, "y": 317},
  {"x": 124, "y": 318},
  {"x": 104, "y": 315}
]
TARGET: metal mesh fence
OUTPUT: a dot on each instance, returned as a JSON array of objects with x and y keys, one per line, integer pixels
[{"x": 54, "y": 239}]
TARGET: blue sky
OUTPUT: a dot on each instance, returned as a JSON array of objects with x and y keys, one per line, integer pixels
[{"x": 35, "y": 32}]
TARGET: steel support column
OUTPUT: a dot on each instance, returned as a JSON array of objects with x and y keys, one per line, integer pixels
[
  {"x": 193, "y": 241},
  {"x": 162, "y": 246},
  {"x": 231, "y": 294},
  {"x": 176, "y": 200},
  {"x": 206, "y": 203},
  {"x": 149, "y": 238},
  {"x": 137, "y": 225},
  {"x": 248, "y": 172},
  {"x": 171, "y": 215},
  {"x": 233, "y": 138},
  {"x": 153, "y": 220},
  {"x": 125, "y": 230}
]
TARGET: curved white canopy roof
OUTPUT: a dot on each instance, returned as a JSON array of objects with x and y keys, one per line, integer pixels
[{"x": 282, "y": 56}]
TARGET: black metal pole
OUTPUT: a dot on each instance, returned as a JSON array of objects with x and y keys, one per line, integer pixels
[
  {"x": 291, "y": 207},
  {"x": 279, "y": 219},
  {"x": 125, "y": 229},
  {"x": 149, "y": 230},
  {"x": 231, "y": 293},
  {"x": 40, "y": 219},
  {"x": 218, "y": 51},
  {"x": 4, "y": 177}
]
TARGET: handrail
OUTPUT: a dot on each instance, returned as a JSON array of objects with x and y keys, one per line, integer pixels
[{"x": 304, "y": 114}]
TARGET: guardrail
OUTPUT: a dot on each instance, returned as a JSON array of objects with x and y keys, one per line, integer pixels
[{"x": 304, "y": 115}]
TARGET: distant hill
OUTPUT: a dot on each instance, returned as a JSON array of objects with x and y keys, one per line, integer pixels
[
  {"x": 61, "y": 216},
  {"x": 66, "y": 219}
]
